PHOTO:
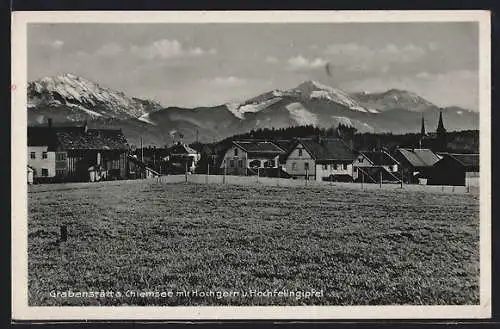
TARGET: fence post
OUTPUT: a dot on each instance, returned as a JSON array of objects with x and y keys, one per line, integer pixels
[
  {"x": 208, "y": 171},
  {"x": 279, "y": 172},
  {"x": 64, "y": 233},
  {"x": 225, "y": 168}
]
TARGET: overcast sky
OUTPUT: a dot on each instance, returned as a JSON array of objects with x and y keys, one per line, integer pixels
[{"x": 210, "y": 64}]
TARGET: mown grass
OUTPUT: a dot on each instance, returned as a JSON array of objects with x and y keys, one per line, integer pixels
[{"x": 361, "y": 247}]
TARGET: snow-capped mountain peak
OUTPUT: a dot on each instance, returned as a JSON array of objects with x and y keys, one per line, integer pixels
[
  {"x": 393, "y": 99},
  {"x": 83, "y": 95},
  {"x": 314, "y": 89}
]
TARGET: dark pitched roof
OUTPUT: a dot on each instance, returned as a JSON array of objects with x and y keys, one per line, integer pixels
[
  {"x": 419, "y": 157},
  {"x": 380, "y": 158},
  {"x": 42, "y": 136},
  {"x": 180, "y": 148},
  {"x": 92, "y": 139},
  {"x": 260, "y": 147},
  {"x": 286, "y": 145},
  {"x": 327, "y": 149},
  {"x": 469, "y": 161},
  {"x": 77, "y": 137}
]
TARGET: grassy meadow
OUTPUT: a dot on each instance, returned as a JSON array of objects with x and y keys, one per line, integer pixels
[{"x": 381, "y": 247}]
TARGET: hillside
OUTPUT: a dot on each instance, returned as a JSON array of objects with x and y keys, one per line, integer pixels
[{"x": 71, "y": 99}]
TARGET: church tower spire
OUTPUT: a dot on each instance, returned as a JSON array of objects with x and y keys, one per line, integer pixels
[
  {"x": 422, "y": 133},
  {"x": 441, "y": 134},
  {"x": 440, "y": 126}
]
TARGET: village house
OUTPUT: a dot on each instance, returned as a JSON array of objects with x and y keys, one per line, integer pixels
[
  {"x": 372, "y": 166},
  {"x": 247, "y": 157},
  {"x": 77, "y": 153},
  {"x": 456, "y": 170},
  {"x": 182, "y": 157},
  {"x": 42, "y": 145},
  {"x": 320, "y": 159},
  {"x": 416, "y": 164}
]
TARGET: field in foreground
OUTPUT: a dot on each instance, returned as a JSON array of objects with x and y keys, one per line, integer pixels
[{"x": 360, "y": 247}]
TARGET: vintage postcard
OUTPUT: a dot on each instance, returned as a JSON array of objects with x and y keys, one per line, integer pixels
[{"x": 251, "y": 165}]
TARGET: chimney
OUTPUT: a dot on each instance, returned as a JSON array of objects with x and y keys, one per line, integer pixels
[
  {"x": 49, "y": 122},
  {"x": 85, "y": 127}
]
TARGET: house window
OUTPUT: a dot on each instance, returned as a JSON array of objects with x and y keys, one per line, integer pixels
[
  {"x": 361, "y": 160},
  {"x": 231, "y": 163},
  {"x": 294, "y": 166},
  {"x": 235, "y": 152},
  {"x": 325, "y": 167},
  {"x": 300, "y": 152},
  {"x": 44, "y": 155},
  {"x": 45, "y": 172},
  {"x": 60, "y": 156},
  {"x": 306, "y": 166},
  {"x": 335, "y": 167},
  {"x": 355, "y": 169},
  {"x": 33, "y": 155},
  {"x": 59, "y": 172},
  {"x": 240, "y": 163},
  {"x": 345, "y": 166}
]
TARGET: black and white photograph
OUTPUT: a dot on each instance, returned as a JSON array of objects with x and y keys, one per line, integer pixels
[{"x": 250, "y": 164}]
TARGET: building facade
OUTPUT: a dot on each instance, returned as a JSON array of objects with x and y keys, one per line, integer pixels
[
  {"x": 374, "y": 165},
  {"x": 456, "y": 170},
  {"x": 182, "y": 157},
  {"x": 77, "y": 153},
  {"x": 416, "y": 164},
  {"x": 320, "y": 159},
  {"x": 249, "y": 156}
]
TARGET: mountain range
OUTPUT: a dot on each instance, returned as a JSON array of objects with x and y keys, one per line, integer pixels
[{"x": 69, "y": 99}]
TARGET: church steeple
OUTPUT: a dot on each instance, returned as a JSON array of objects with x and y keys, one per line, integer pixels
[
  {"x": 422, "y": 129},
  {"x": 440, "y": 127},
  {"x": 441, "y": 134}
]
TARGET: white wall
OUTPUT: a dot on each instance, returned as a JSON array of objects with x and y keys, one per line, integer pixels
[
  {"x": 300, "y": 161},
  {"x": 242, "y": 155},
  {"x": 321, "y": 172},
  {"x": 38, "y": 163}
]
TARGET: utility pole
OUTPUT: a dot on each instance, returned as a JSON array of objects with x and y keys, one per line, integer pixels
[
  {"x": 225, "y": 169},
  {"x": 381, "y": 176},
  {"x": 401, "y": 170},
  {"x": 186, "y": 170},
  {"x": 142, "y": 160},
  {"x": 142, "y": 152}
]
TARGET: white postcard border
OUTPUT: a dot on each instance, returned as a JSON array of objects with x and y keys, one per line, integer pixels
[{"x": 20, "y": 308}]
